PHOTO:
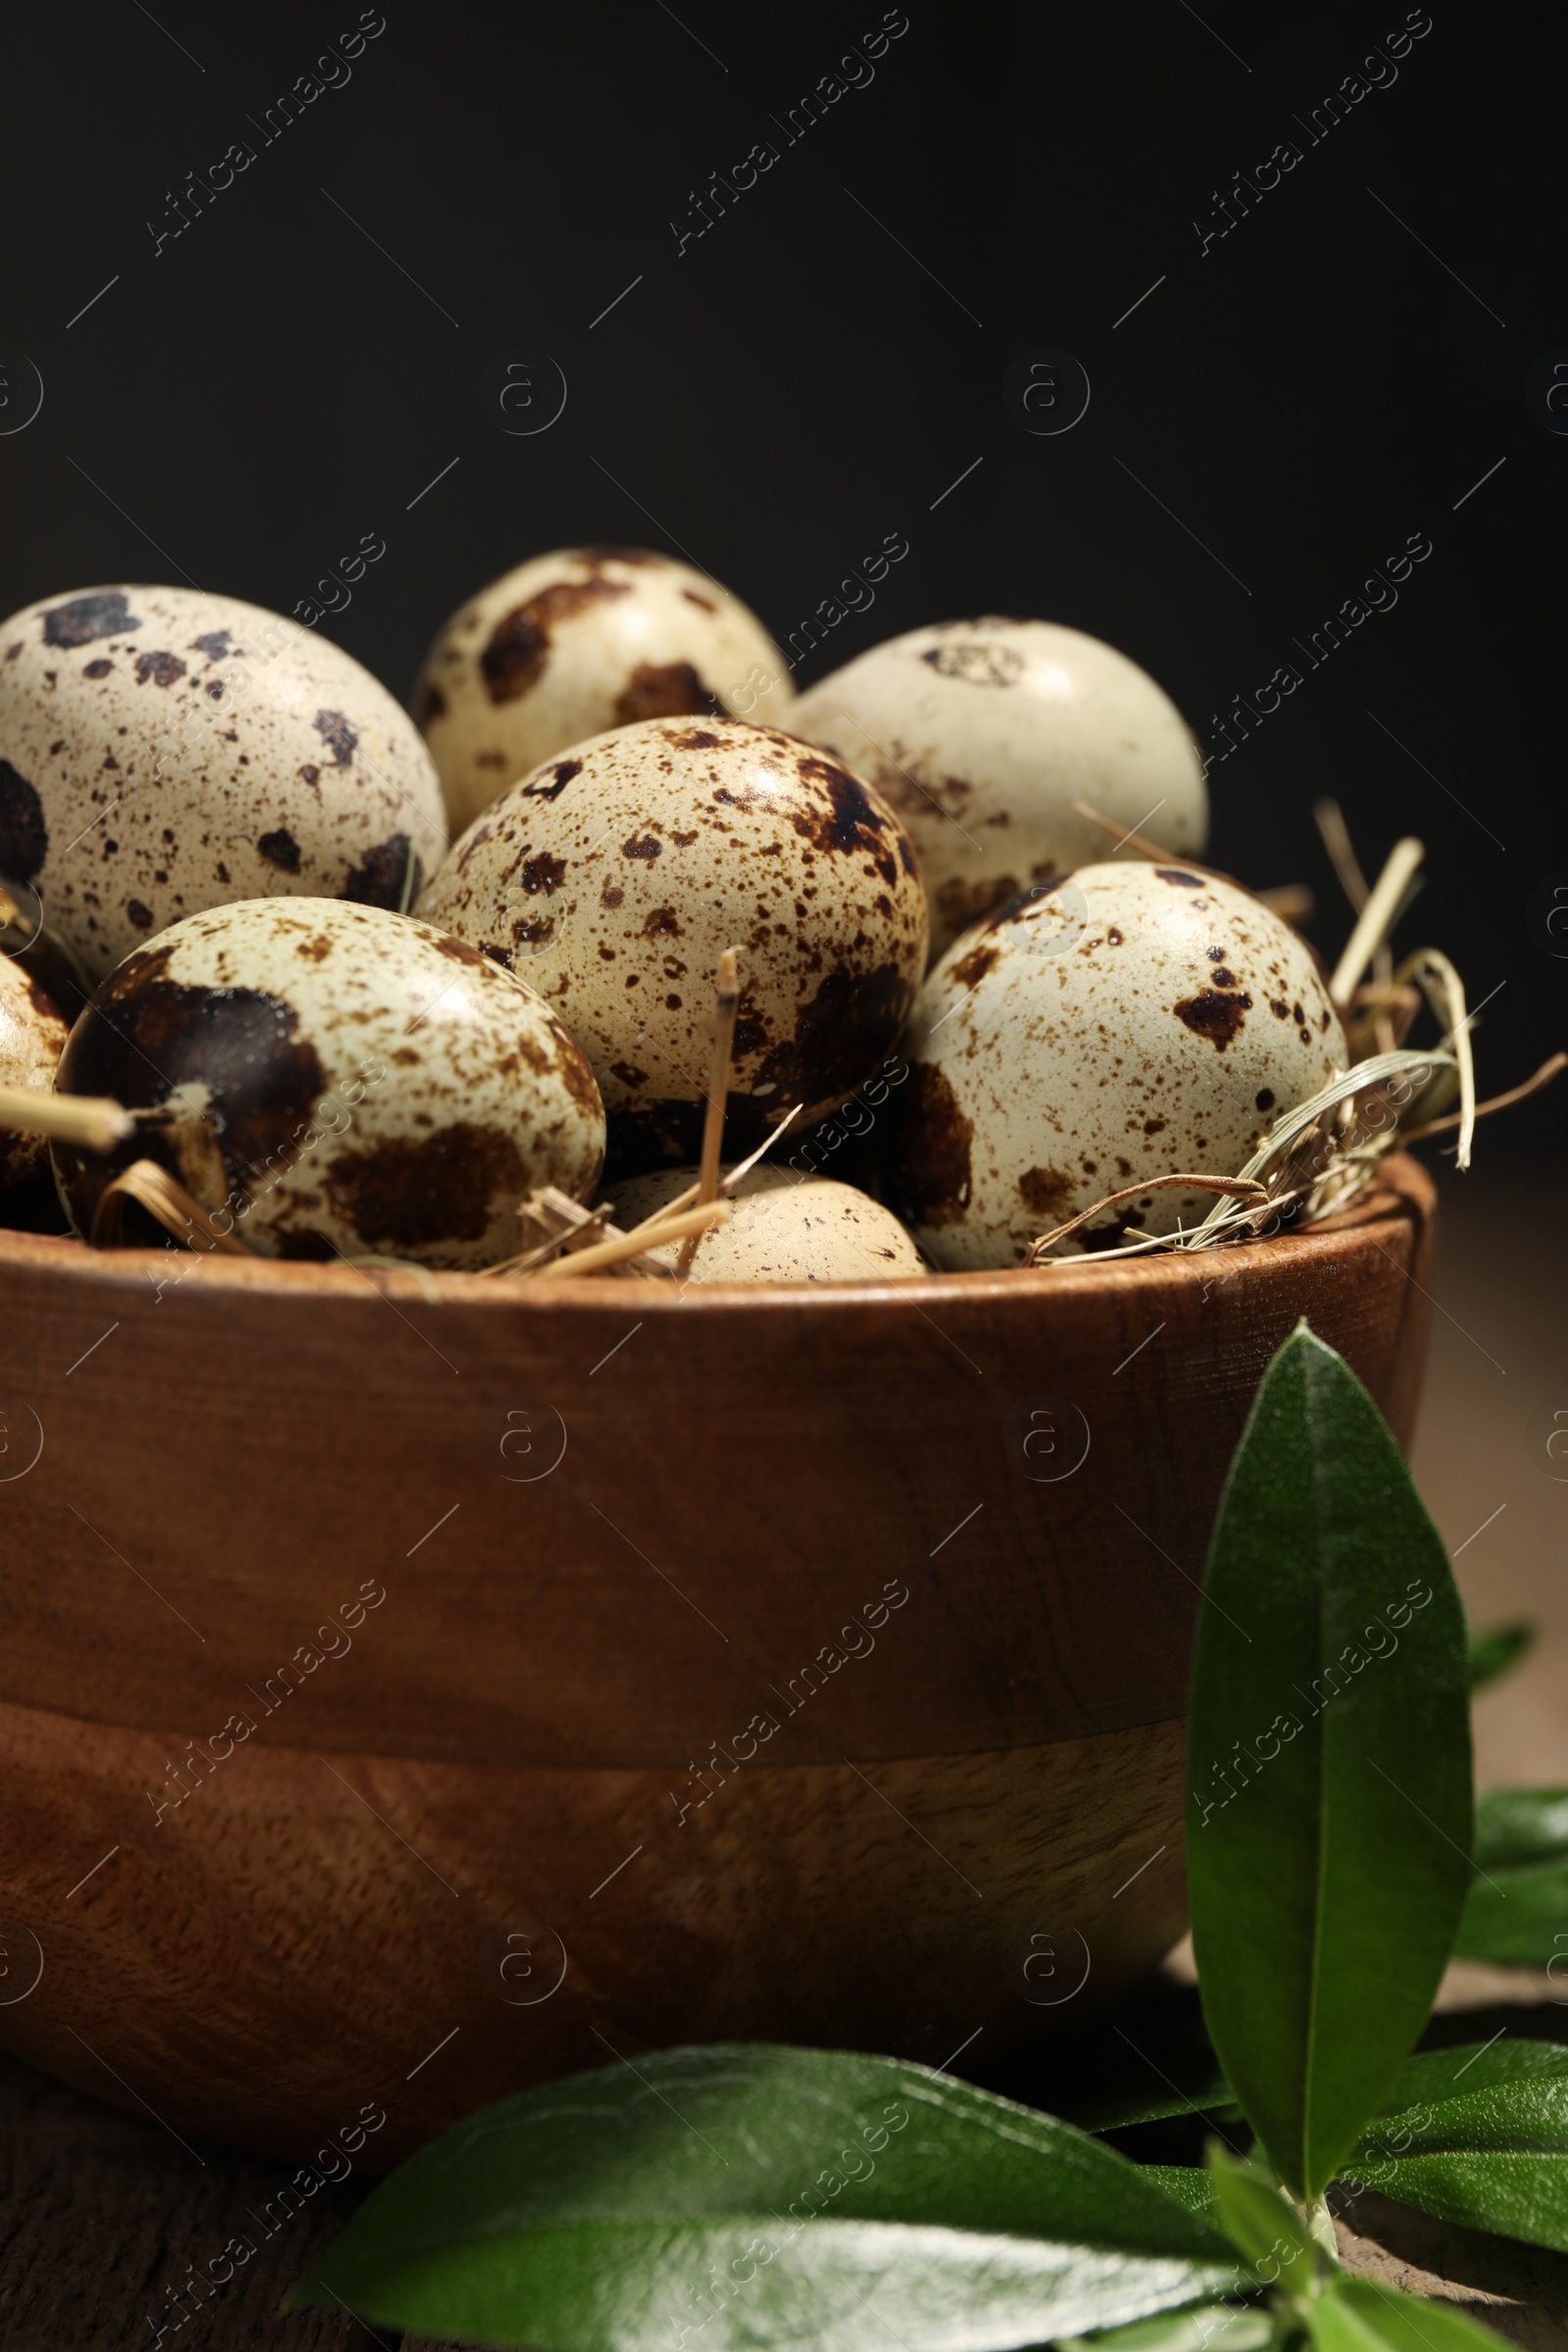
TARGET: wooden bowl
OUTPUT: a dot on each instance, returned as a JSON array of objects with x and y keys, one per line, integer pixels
[{"x": 411, "y": 1689}]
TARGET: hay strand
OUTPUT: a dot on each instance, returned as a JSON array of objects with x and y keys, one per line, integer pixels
[
  {"x": 1384, "y": 905},
  {"x": 92, "y": 1122},
  {"x": 1445, "y": 993},
  {"x": 727, "y": 1006},
  {"x": 1242, "y": 1187},
  {"x": 651, "y": 1236},
  {"x": 1549, "y": 1069},
  {"x": 153, "y": 1189}
]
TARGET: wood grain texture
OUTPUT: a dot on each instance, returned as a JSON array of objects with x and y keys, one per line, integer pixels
[
  {"x": 299, "y": 1941},
  {"x": 790, "y": 1701},
  {"x": 736, "y": 1474}
]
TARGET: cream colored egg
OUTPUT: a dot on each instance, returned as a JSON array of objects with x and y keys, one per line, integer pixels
[
  {"x": 782, "y": 1228},
  {"x": 613, "y": 878},
  {"x": 1135, "y": 1020},
  {"x": 163, "y": 751},
  {"x": 578, "y": 641},
  {"x": 334, "y": 1080},
  {"x": 32, "y": 1035},
  {"x": 982, "y": 734}
]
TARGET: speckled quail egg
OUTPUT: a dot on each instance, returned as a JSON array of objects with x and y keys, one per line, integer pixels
[
  {"x": 335, "y": 1079},
  {"x": 1136, "y": 1020},
  {"x": 615, "y": 878},
  {"x": 42, "y": 955},
  {"x": 782, "y": 1228},
  {"x": 576, "y": 642},
  {"x": 983, "y": 733},
  {"x": 32, "y": 1034},
  {"x": 163, "y": 751}
]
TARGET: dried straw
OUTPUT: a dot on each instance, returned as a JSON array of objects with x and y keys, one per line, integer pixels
[
  {"x": 1291, "y": 902},
  {"x": 1552, "y": 1067},
  {"x": 727, "y": 1004},
  {"x": 651, "y": 1235},
  {"x": 1241, "y": 1187},
  {"x": 155, "y": 1191},
  {"x": 92, "y": 1122},
  {"x": 1385, "y": 902}
]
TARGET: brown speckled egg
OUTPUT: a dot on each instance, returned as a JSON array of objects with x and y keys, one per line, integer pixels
[
  {"x": 335, "y": 1080},
  {"x": 616, "y": 877},
  {"x": 782, "y": 1228},
  {"x": 163, "y": 751},
  {"x": 982, "y": 733},
  {"x": 1137, "y": 1020},
  {"x": 576, "y": 642},
  {"x": 32, "y": 1034}
]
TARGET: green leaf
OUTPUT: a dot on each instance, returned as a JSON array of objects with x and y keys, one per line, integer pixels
[
  {"x": 1200, "y": 2327},
  {"x": 1454, "y": 2074},
  {"x": 1517, "y": 1914},
  {"x": 1498, "y": 1650},
  {"x": 1357, "y": 2315},
  {"x": 1191, "y": 2184},
  {"x": 1328, "y": 1770},
  {"x": 765, "y": 2195},
  {"x": 1477, "y": 2135},
  {"x": 1144, "y": 2085},
  {"x": 1517, "y": 1827},
  {"x": 1259, "y": 2219}
]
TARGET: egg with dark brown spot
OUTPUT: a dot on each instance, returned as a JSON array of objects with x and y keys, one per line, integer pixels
[
  {"x": 33, "y": 1036},
  {"x": 1112, "y": 1027},
  {"x": 333, "y": 1081},
  {"x": 164, "y": 751},
  {"x": 615, "y": 891},
  {"x": 577, "y": 641},
  {"x": 983, "y": 733}
]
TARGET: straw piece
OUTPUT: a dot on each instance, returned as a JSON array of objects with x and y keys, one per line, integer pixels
[
  {"x": 1379, "y": 1016},
  {"x": 726, "y": 1184},
  {"x": 1549, "y": 1069},
  {"x": 694, "y": 1220},
  {"x": 1341, "y": 856},
  {"x": 1291, "y": 902},
  {"x": 566, "y": 1226},
  {"x": 1242, "y": 1187},
  {"x": 1299, "y": 1127},
  {"x": 155, "y": 1191},
  {"x": 1330, "y": 820},
  {"x": 1126, "y": 840},
  {"x": 92, "y": 1121},
  {"x": 1376, "y": 919},
  {"x": 1445, "y": 993},
  {"x": 552, "y": 1220},
  {"x": 725, "y": 1012}
]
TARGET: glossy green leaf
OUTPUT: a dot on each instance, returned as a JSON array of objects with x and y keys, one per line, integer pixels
[
  {"x": 1260, "y": 2222},
  {"x": 1328, "y": 1772},
  {"x": 763, "y": 2195},
  {"x": 1477, "y": 2135},
  {"x": 1144, "y": 2085},
  {"x": 1200, "y": 2327},
  {"x": 1357, "y": 2315},
  {"x": 1191, "y": 2184},
  {"x": 1518, "y": 1827},
  {"x": 1517, "y": 1914},
  {"x": 1498, "y": 1651}
]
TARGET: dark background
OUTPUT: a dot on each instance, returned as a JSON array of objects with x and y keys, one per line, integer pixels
[{"x": 801, "y": 380}]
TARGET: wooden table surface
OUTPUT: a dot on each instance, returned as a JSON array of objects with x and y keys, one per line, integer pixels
[{"x": 103, "y": 2214}]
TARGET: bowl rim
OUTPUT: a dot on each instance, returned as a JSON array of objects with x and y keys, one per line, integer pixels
[{"x": 1403, "y": 1188}]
